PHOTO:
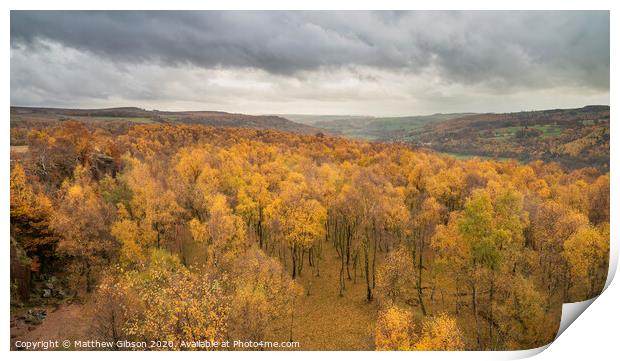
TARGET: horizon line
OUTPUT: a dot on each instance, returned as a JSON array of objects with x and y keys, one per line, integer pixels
[{"x": 302, "y": 114}]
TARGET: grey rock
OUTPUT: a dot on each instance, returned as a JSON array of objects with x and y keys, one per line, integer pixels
[{"x": 40, "y": 315}]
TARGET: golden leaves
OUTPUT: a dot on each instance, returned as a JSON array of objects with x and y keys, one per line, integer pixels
[
  {"x": 395, "y": 330},
  {"x": 584, "y": 250},
  {"x": 440, "y": 333}
]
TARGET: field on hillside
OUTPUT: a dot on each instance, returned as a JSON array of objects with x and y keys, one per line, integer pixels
[{"x": 377, "y": 128}]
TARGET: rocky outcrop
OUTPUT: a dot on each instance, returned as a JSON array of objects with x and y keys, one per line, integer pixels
[{"x": 20, "y": 274}]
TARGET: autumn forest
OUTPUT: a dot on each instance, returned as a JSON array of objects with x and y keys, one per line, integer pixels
[{"x": 176, "y": 233}]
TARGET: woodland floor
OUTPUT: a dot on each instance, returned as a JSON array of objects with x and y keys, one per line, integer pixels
[
  {"x": 327, "y": 321},
  {"x": 66, "y": 322}
]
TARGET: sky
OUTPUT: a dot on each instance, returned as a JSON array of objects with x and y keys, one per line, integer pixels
[{"x": 310, "y": 62}]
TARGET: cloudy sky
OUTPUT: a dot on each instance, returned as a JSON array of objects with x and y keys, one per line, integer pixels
[{"x": 377, "y": 63}]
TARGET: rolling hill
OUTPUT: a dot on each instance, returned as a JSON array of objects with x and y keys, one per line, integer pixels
[
  {"x": 574, "y": 138},
  {"x": 132, "y": 114}
]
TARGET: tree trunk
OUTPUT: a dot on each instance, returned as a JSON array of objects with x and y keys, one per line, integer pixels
[
  {"x": 374, "y": 263},
  {"x": 367, "y": 273},
  {"x": 355, "y": 261},
  {"x": 259, "y": 227},
  {"x": 340, "y": 250},
  {"x": 341, "y": 278},
  {"x": 158, "y": 236},
  {"x": 419, "y": 283},
  {"x": 301, "y": 253},
  {"x": 294, "y": 261},
  {"x": 348, "y": 256},
  {"x": 475, "y": 309}
]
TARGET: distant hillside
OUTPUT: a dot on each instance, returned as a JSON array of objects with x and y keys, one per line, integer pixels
[
  {"x": 132, "y": 114},
  {"x": 573, "y": 137},
  {"x": 380, "y": 128},
  {"x": 311, "y": 119}
]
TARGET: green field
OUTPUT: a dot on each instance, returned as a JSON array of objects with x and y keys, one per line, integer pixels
[
  {"x": 462, "y": 156},
  {"x": 548, "y": 130}
]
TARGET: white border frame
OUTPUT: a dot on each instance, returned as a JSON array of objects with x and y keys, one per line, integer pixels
[{"x": 598, "y": 330}]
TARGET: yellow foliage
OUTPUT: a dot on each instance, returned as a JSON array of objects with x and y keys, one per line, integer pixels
[
  {"x": 499, "y": 245},
  {"x": 585, "y": 249},
  {"x": 395, "y": 330},
  {"x": 441, "y": 333}
]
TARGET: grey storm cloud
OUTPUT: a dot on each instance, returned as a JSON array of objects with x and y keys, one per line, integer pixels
[
  {"x": 531, "y": 48},
  {"x": 329, "y": 62}
]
